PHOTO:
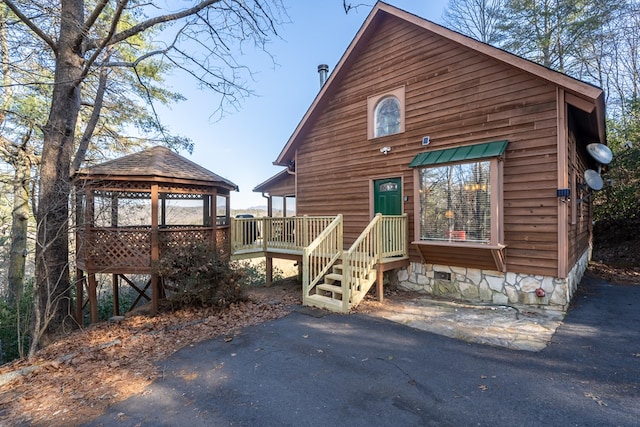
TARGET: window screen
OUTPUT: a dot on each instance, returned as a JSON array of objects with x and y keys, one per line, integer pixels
[{"x": 221, "y": 210}]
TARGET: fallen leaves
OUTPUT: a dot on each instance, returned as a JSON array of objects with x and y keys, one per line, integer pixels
[{"x": 73, "y": 380}]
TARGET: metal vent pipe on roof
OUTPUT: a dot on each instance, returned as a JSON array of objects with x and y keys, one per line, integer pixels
[{"x": 323, "y": 70}]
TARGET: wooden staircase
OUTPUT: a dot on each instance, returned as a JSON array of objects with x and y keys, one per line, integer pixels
[{"x": 330, "y": 293}]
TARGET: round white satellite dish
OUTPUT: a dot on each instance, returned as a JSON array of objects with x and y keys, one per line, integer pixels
[
  {"x": 593, "y": 179},
  {"x": 600, "y": 152}
]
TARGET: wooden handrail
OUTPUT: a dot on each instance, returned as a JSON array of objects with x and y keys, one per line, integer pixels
[
  {"x": 358, "y": 261},
  {"x": 320, "y": 255}
]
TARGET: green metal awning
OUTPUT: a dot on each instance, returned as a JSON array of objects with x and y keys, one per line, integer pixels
[{"x": 458, "y": 154}]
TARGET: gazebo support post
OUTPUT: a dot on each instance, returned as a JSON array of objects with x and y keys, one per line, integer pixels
[
  {"x": 116, "y": 294},
  {"x": 93, "y": 297},
  {"x": 79, "y": 296},
  {"x": 155, "y": 250}
]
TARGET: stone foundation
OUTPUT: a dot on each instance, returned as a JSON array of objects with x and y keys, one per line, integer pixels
[{"x": 495, "y": 287}]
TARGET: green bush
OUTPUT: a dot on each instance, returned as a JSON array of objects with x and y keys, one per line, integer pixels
[
  {"x": 620, "y": 198},
  {"x": 14, "y": 325}
]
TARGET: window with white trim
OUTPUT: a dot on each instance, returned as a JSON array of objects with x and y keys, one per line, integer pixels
[{"x": 456, "y": 202}]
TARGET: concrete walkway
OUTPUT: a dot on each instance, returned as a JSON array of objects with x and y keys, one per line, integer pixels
[{"x": 514, "y": 327}]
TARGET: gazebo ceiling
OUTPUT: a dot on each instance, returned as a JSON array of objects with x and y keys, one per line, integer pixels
[{"x": 153, "y": 163}]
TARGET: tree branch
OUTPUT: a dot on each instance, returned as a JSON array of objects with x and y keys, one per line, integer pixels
[
  {"x": 83, "y": 145},
  {"x": 29, "y": 23},
  {"x": 93, "y": 17},
  {"x": 136, "y": 29},
  {"x": 114, "y": 24}
]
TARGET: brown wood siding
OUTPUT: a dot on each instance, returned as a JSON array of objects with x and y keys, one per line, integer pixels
[
  {"x": 284, "y": 187},
  {"x": 457, "y": 97}
]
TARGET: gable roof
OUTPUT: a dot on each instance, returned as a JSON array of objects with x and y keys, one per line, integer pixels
[
  {"x": 155, "y": 162},
  {"x": 276, "y": 179},
  {"x": 586, "y": 97}
]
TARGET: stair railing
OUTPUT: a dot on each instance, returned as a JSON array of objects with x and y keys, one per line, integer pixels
[
  {"x": 358, "y": 262},
  {"x": 394, "y": 232},
  {"x": 320, "y": 255}
]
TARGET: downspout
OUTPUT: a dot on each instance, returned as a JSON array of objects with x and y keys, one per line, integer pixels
[{"x": 269, "y": 208}]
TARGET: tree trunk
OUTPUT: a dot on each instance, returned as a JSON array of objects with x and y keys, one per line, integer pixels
[
  {"x": 19, "y": 223},
  {"x": 52, "y": 285}
]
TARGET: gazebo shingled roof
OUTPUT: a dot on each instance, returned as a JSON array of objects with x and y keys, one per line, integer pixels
[{"x": 156, "y": 162}]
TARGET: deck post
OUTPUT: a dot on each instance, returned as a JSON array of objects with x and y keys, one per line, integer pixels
[
  {"x": 305, "y": 230},
  {"x": 266, "y": 234},
  {"x": 269, "y": 271},
  {"x": 380, "y": 283}
]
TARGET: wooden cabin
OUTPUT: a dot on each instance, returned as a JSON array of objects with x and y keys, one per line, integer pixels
[
  {"x": 483, "y": 151},
  {"x": 129, "y": 209}
]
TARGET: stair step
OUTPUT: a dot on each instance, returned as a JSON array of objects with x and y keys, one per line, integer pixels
[
  {"x": 330, "y": 288},
  {"x": 334, "y": 276},
  {"x": 322, "y": 301}
]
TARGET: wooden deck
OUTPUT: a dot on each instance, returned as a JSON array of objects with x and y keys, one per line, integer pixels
[{"x": 317, "y": 243}]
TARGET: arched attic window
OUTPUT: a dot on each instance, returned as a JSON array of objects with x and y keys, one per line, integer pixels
[
  {"x": 386, "y": 113},
  {"x": 386, "y": 117}
]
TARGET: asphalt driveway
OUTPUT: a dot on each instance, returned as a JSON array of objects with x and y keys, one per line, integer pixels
[{"x": 309, "y": 369}]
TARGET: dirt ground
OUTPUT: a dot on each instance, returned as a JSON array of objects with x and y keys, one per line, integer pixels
[
  {"x": 616, "y": 253},
  {"x": 75, "y": 379}
]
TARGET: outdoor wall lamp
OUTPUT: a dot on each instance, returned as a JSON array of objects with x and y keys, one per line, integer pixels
[{"x": 564, "y": 194}]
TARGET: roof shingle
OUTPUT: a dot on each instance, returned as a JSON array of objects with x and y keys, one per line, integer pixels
[{"x": 158, "y": 162}]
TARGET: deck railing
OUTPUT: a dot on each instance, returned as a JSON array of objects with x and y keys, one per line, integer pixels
[
  {"x": 394, "y": 232},
  {"x": 108, "y": 248},
  {"x": 249, "y": 235},
  {"x": 320, "y": 255},
  {"x": 358, "y": 262}
]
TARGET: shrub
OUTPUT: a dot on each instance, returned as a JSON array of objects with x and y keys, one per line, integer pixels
[
  {"x": 195, "y": 275},
  {"x": 14, "y": 325},
  {"x": 256, "y": 274}
]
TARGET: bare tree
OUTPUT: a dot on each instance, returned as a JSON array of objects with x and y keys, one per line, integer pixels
[
  {"x": 475, "y": 18},
  {"x": 77, "y": 33}
]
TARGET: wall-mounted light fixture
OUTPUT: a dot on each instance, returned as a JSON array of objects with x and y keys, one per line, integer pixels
[
  {"x": 385, "y": 150},
  {"x": 564, "y": 194}
]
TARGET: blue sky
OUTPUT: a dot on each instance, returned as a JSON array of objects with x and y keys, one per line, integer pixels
[{"x": 243, "y": 144}]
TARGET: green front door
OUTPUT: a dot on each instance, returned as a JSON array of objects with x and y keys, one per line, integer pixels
[{"x": 387, "y": 195}]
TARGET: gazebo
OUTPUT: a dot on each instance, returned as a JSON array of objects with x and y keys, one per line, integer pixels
[{"x": 129, "y": 209}]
